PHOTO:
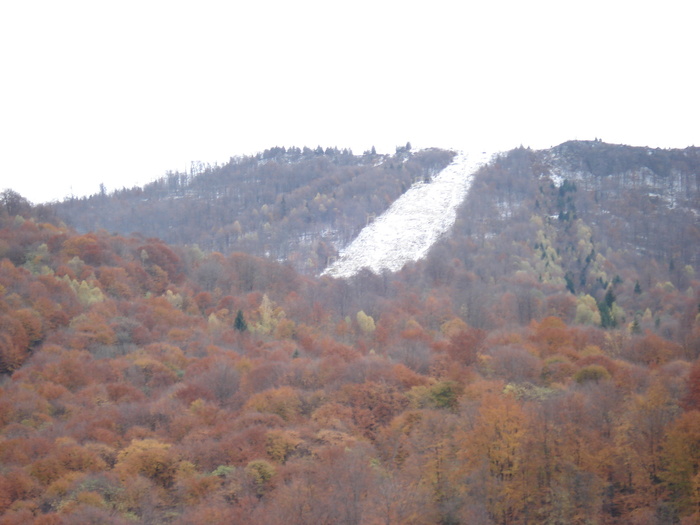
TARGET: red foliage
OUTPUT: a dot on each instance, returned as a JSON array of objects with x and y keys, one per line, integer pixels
[
  {"x": 14, "y": 343},
  {"x": 464, "y": 346}
]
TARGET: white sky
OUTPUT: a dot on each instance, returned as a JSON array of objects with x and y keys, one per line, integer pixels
[{"x": 121, "y": 92}]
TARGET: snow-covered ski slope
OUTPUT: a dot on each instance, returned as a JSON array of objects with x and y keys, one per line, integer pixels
[{"x": 407, "y": 230}]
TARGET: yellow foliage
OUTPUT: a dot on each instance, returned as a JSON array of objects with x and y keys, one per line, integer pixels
[
  {"x": 175, "y": 299},
  {"x": 62, "y": 485},
  {"x": 214, "y": 323},
  {"x": 335, "y": 438},
  {"x": 283, "y": 401},
  {"x": 286, "y": 329},
  {"x": 260, "y": 471},
  {"x": 587, "y": 311},
  {"x": 453, "y": 327},
  {"x": 365, "y": 322},
  {"x": 90, "y": 498},
  {"x": 87, "y": 294},
  {"x": 269, "y": 317},
  {"x": 149, "y": 458},
  {"x": 279, "y": 444}
]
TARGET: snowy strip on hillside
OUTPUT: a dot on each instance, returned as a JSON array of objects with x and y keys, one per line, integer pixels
[{"x": 407, "y": 230}]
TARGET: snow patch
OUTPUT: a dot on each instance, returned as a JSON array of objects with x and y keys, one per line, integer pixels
[{"x": 407, "y": 230}]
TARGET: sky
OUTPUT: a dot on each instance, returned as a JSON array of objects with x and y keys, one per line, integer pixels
[{"x": 120, "y": 93}]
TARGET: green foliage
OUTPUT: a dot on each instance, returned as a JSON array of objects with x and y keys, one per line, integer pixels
[
  {"x": 608, "y": 310},
  {"x": 442, "y": 394},
  {"x": 445, "y": 394},
  {"x": 223, "y": 471},
  {"x": 260, "y": 473},
  {"x": 240, "y": 323}
]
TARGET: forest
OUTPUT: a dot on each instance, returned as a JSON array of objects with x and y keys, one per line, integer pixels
[
  {"x": 540, "y": 365},
  {"x": 292, "y": 204}
]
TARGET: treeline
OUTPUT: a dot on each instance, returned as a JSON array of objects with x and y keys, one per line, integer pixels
[
  {"x": 602, "y": 159},
  {"x": 297, "y": 205}
]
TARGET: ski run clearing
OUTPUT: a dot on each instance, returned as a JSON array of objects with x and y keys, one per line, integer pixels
[{"x": 407, "y": 230}]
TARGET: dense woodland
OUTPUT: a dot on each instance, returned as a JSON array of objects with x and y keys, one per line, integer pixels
[
  {"x": 296, "y": 205},
  {"x": 541, "y": 365}
]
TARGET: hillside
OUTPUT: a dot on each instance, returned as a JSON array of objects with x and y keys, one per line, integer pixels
[
  {"x": 537, "y": 220},
  {"x": 541, "y": 364},
  {"x": 410, "y": 227},
  {"x": 296, "y": 205}
]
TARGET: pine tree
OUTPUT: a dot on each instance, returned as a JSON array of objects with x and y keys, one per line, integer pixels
[{"x": 240, "y": 324}]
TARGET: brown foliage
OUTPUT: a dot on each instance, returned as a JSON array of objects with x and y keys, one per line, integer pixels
[{"x": 373, "y": 405}]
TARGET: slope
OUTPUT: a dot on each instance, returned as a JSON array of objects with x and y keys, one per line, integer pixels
[
  {"x": 291, "y": 205},
  {"x": 407, "y": 230},
  {"x": 132, "y": 390}
]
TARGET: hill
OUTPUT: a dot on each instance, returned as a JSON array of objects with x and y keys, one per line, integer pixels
[
  {"x": 297, "y": 205},
  {"x": 540, "y": 364},
  {"x": 542, "y": 219},
  {"x": 410, "y": 227}
]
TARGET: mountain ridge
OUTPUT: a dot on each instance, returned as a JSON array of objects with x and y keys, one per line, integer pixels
[{"x": 295, "y": 205}]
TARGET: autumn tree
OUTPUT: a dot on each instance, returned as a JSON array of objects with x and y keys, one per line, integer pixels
[{"x": 681, "y": 456}]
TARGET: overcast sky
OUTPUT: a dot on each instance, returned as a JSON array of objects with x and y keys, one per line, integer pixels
[{"x": 121, "y": 92}]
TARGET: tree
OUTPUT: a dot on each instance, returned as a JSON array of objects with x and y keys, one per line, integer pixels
[
  {"x": 260, "y": 473},
  {"x": 365, "y": 322},
  {"x": 681, "y": 455},
  {"x": 691, "y": 401},
  {"x": 495, "y": 446},
  {"x": 239, "y": 323},
  {"x": 150, "y": 458},
  {"x": 373, "y": 405},
  {"x": 13, "y": 203}
]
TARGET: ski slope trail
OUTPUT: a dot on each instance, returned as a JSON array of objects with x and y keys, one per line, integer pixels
[{"x": 407, "y": 230}]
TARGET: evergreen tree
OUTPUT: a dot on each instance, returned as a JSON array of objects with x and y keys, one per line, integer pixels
[
  {"x": 637, "y": 288},
  {"x": 240, "y": 324}
]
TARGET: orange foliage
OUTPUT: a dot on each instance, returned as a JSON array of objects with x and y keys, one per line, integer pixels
[
  {"x": 551, "y": 335},
  {"x": 14, "y": 343},
  {"x": 691, "y": 400},
  {"x": 87, "y": 247},
  {"x": 150, "y": 458},
  {"x": 373, "y": 405},
  {"x": 122, "y": 401},
  {"x": 407, "y": 377},
  {"x": 283, "y": 401},
  {"x": 653, "y": 350}
]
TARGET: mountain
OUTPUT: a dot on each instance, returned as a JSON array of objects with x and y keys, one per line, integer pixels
[
  {"x": 560, "y": 220},
  {"x": 296, "y": 205},
  {"x": 409, "y": 228},
  {"x": 539, "y": 364}
]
